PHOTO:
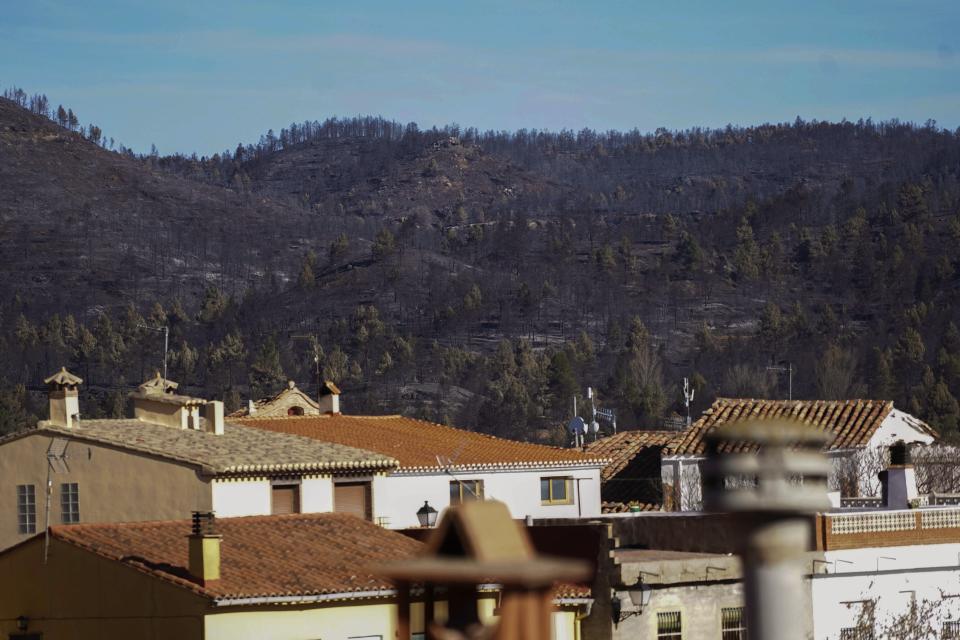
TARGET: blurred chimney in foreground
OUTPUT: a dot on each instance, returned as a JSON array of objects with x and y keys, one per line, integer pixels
[
  {"x": 480, "y": 543},
  {"x": 773, "y": 492}
]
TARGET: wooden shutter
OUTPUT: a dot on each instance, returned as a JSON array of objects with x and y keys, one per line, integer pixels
[
  {"x": 352, "y": 497},
  {"x": 285, "y": 499}
]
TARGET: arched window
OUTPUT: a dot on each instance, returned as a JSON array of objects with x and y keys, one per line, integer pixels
[{"x": 295, "y": 411}]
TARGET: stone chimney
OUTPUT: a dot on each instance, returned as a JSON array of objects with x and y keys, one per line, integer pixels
[
  {"x": 64, "y": 400},
  {"x": 157, "y": 401},
  {"x": 329, "y": 399},
  {"x": 204, "y": 548},
  {"x": 898, "y": 482}
]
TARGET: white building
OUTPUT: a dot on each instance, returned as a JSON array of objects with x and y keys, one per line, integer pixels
[
  {"x": 440, "y": 465},
  {"x": 861, "y": 431}
]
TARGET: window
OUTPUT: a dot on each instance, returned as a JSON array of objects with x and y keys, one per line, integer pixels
[
  {"x": 353, "y": 497},
  {"x": 465, "y": 490},
  {"x": 26, "y": 508},
  {"x": 284, "y": 498},
  {"x": 732, "y": 625},
  {"x": 69, "y": 503},
  {"x": 295, "y": 411},
  {"x": 668, "y": 625},
  {"x": 951, "y": 630},
  {"x": 556, "y": 490}
]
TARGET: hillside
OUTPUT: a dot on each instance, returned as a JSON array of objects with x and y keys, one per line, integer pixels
[{"x": 484, "y": 279}]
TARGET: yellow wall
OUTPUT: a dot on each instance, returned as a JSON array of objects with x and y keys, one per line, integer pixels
[
  {"x": 334, "y": 621},
  {"x": 114, "y": 485},
  {"x": 80, "y": 596}
]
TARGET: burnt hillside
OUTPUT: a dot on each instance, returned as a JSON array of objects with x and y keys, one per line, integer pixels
[{"x": 485, "y": 278}]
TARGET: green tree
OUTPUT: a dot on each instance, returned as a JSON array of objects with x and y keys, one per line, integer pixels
[
  {"x": 307, "y": 280},
  {"x": 746, "y": 255},
  {"x": 384, "y": 245},
  {"x": 266, "y": 372}
]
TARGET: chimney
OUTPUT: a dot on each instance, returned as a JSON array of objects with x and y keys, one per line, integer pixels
[
  {"x": 204, "y": 548},
  {"x": 899, "y": 481},
  {"x": 64, "y": 400},
  {"x": 213, "y": 412},
  {"x": 329, "y": 400},
  {"x": 251, "y": 407}
]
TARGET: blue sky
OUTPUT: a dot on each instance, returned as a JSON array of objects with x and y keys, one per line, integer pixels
[{"x": 202, "y": 76}]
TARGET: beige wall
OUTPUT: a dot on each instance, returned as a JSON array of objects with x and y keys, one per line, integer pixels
[
  {"x": 699, "y": 606},
  {"x": 78, "y": 596},
  {"x": 114, "y": 485},
  {"x": 336, "y": 621},
  {"x": 166, "y": 413}
]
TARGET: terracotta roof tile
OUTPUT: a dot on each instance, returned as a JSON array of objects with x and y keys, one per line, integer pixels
[
  {"x": 622, "y": 507},
  {"x": 239, "y": 449},
  {"x": 418, "y": 444},
  {"x": 852, "y": 422},
  {"x": 261, "y": 556},
  {"x": 623, "y": 447}
]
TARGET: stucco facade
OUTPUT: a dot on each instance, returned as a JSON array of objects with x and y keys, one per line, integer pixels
[
  {"x": 114, "y": 485},
  {"x": 519, "y": 489}
]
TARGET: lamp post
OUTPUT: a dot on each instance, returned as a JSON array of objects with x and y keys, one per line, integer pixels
[{"x": 427, "y": 515}]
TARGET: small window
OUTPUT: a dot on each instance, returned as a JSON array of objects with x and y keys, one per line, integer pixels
[
  {"x": 69, "y": 503},
  {"x": 284, "y": 498},
  {"x": 951, "y": 630},
  {"x": 295, "y": 411},
  {"x": 556, "y": 490},
  {"x": 668, "y": 625},
  {"x": 26, "y": 508},
  {"x": 732, "y": 625},
  {"x": 465, "y": 490}
]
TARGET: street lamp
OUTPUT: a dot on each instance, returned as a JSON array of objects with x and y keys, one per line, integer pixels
[{"x": 427, "y": 515}]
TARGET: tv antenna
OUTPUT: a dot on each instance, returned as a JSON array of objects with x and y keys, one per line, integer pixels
[
  {"x": 166, "y": 342},
  {"x": 688, "y": 393},
  {"x": 789, "y": 371},
  {"x": 607, "y": 415},
  {"x": 446, "y": 463},
  {"x": 56, "y": 463}
]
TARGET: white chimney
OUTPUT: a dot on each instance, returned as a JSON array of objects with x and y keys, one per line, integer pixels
[
  {"x": 213, "y": 412},
  {"x": 64, "y": 399},
  {"x": 329, "y": 400},
  {"x": 251, "y": 407}
]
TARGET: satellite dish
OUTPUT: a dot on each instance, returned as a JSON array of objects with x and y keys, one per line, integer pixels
[
  {"x": 595, "y": 426},
  {"x": 577, "y": 426}
]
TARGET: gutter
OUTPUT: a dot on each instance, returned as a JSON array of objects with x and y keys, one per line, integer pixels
[{"x": 319, "y": 597}]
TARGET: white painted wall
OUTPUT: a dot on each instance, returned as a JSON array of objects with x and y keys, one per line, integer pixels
[
  {"x": 893, "y": 577},
  {"x": 232, "y": 498},
  {"x": 398, "y": 496},
  {"x": 251, "y": 497},
  {"x": 899, "y": 426},
  {"x": 316, "y": 494}
]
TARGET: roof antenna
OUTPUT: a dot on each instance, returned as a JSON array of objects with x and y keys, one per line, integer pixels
[
  {"x": 688, "y": 394},
  {"x": 56, "y": 463},
  {"x": 789, "y": 371}
]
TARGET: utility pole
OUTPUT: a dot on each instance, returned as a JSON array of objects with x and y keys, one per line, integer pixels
[
  {"x": 789, "y": 371},
  {"x": 166, "y": 343}
]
